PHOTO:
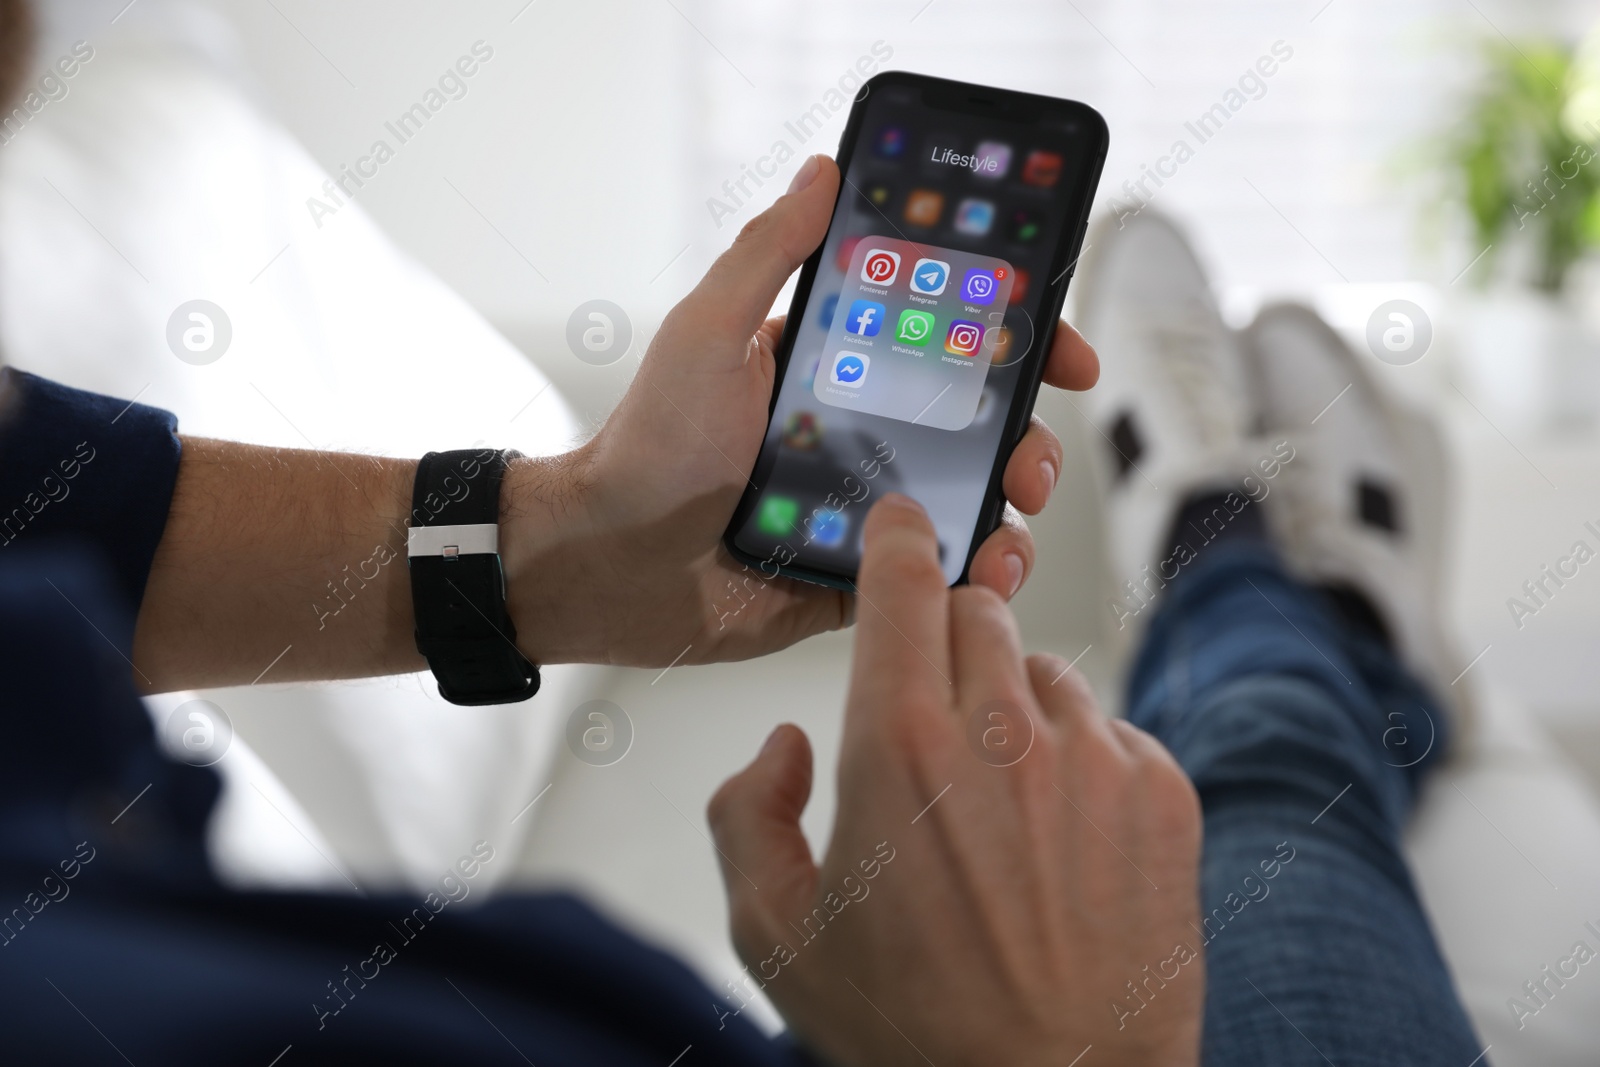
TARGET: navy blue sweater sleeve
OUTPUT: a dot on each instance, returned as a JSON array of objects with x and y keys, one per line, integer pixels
[
  {"x": 160, "y": 954},
  {"x": 84, "y": 468}
]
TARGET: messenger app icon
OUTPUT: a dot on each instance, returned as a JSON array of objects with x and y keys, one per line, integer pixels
[{"x": 850, "y": 369}]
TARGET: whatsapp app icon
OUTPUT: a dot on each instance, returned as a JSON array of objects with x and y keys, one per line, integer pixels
[{"x": 914, "y": 328}]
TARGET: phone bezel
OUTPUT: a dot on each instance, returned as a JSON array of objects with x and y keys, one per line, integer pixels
[{"x": 984, "y": 102}]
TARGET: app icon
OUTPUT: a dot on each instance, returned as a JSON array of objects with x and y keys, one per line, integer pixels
[
  {"x": 979, "y": 286},
  {"x": 964, "y": 338},
  {"x": 830, "y": 304},
  {"x": 1024, "y": 226},
  {"x": 994, "y": 160},
  {"x": 974, "y": 217},
  {"x": 865, "y": 318},
  {"x": 1001, "y": 339},
  {"x": 923, "y": 207},
  {"x": 880, "y": 267},
  {"x": 1019, "y": 286},
  {"x": 850, "y": 368},
  {"x": 802, "y": 431},
  {"x": 891, "y": 142},
  {"x": 1042, "y": 169},
  {"x": 877, "y": 194},
  {"x": 777, "y": 516},
  {"x": 914, "y": 328},
  {"x": 827, "y": 528},
  {"x": 928, "y": 277},
  {"x": 847, "y": 248}
]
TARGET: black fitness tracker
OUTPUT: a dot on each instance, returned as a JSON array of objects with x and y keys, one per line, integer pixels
[{"x": 458, "y": 588}]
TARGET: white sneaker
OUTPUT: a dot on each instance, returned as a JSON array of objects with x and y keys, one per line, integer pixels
[
  {"x": 1172, "y": 407},
  {"x": 1364, "y": 502}
]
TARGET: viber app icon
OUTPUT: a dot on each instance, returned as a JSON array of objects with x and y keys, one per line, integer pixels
[
  {"x": 978, "y": 287},
  {"x": 865, "y": 318},
  {"x": 850, "y": 369}
]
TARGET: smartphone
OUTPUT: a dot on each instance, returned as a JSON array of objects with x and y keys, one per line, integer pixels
[{"x": 918, "y": 334}]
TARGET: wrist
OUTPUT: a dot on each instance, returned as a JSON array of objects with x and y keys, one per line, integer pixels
[{"x": 543, "y": 535}]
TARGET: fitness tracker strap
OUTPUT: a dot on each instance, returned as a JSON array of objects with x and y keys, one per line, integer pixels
[{"x": 458, "y": 589}]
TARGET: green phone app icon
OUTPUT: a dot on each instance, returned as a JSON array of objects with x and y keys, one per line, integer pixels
[
  {"x": 778, "y": 516},
  {"x": 914, "y": 328}
]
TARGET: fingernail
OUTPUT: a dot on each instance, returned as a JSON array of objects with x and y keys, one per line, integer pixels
[
  {"x": 1050, "y": 474},
  {"x": 804, "y": 176},
  {"x": 771, "y": 743},
  {"x": 1014, "y": 569}
]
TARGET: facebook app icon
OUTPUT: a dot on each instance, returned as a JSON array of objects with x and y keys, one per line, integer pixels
[{"x": 865, "y": 318}]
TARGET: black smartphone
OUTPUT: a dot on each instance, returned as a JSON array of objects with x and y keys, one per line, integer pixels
[{"x": 917, "y": 338}]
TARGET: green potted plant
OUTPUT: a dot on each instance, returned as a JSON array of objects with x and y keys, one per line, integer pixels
[
  {"x": 1521, "y": 158},
  {"x": 1521, "y": 166}
]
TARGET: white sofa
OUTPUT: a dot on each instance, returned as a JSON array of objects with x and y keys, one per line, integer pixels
[{"x": 156, "y": 181}]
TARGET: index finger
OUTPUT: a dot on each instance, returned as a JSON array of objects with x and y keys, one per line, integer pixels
[
  {"x": 1073, "y": 362},
  {"x": 902, "y": 608}
]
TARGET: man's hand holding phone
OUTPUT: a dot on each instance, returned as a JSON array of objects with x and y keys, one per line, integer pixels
[
  {"x": 1018, "y": 904},
  {"x": 613, "y": 551}
]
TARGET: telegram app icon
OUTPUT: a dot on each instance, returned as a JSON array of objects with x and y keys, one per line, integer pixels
[{"x": 929, "y": 276}]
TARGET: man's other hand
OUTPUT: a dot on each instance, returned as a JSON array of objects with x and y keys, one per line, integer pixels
[{"x": 1011, "y": 897}]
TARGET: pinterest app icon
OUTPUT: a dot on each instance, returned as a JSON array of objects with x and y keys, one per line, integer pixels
[{"x": 880, "y": 267}]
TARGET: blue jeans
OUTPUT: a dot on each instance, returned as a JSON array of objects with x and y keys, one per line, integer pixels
[{"x": 1306, "y": 740}]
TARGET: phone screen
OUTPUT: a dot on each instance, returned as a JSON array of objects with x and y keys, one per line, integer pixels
[{"x": 913, "y": 350}]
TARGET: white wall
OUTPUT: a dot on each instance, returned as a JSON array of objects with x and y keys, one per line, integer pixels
[{"x": 593, "y": 139}]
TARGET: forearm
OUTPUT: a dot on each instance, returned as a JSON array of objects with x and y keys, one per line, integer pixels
[{"x": 280, "y": 558}]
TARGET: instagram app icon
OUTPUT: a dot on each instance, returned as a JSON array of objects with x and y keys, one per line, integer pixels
[{"x": 964, "y": 338}]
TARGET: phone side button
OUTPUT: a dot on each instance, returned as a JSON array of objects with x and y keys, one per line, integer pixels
[{"x": 996, "y": 511}]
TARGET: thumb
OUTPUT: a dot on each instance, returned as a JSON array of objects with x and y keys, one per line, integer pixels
[
  {"x": 767, "y": 867},
  {"x": 737, "y": 293}
]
